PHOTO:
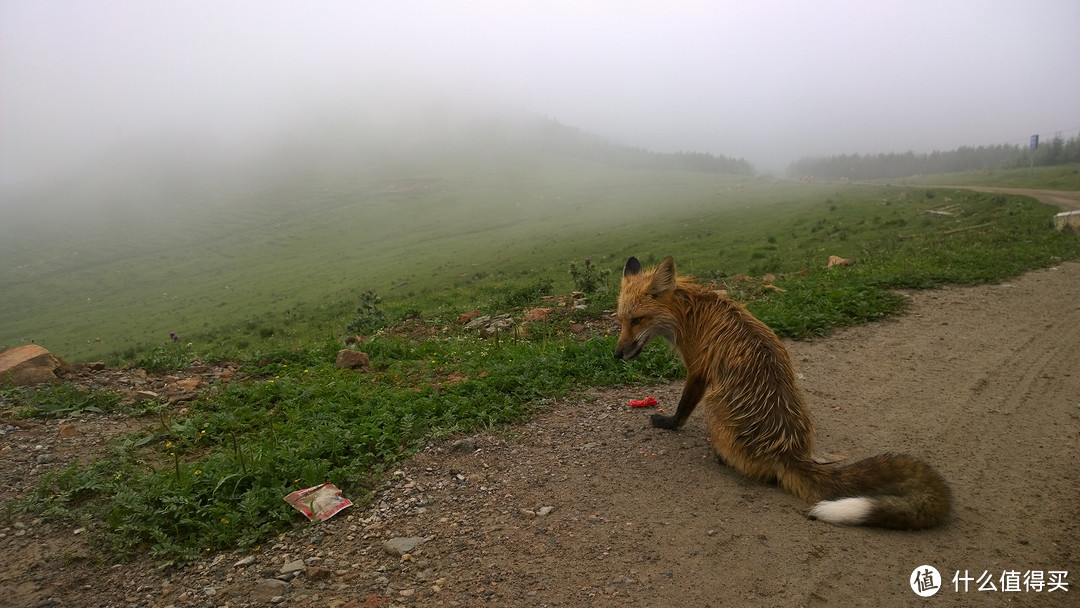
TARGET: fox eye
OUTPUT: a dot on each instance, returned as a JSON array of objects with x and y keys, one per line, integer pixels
[{"x": 634, "y": 321}]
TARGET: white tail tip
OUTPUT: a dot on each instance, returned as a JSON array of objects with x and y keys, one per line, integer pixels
[{"x": 849, "y": 511}]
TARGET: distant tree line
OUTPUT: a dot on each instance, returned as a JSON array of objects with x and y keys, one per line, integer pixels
[
  {"x": 1057, "y": 151},
  {"x": 572, "y": 141}
]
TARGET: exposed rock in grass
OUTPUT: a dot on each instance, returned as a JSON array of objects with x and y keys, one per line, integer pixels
[
  {"x": 352, "y": 359},
  {"x": 28, "y": 365}
]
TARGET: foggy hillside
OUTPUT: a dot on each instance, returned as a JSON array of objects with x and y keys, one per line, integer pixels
[
  {"x": 193, "y": 230},
  {"x": 196, "y": 170}
]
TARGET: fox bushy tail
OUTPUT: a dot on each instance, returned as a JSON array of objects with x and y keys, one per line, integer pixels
[{"x": 889, "y": 491}]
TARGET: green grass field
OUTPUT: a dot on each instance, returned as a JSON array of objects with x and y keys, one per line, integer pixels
[
  {"x": 287, "y": 264},
  {"x": 272, "y": 279},
  {"x": 234, "y": 273},
  {"x": 221, "y": 269}
]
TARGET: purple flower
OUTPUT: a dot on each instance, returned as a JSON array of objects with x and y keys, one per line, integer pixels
[{"x": 172, "y": 334}]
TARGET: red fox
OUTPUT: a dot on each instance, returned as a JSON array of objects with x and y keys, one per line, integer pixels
[{"x": 741, "y": 373}]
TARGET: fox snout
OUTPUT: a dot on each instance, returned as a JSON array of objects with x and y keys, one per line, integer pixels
[{"x": 626, "y": 349}]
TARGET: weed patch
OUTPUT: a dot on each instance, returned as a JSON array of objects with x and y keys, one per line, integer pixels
[
  {"x": 57, "y": 401},
  {"x": 215, "y": 478}
]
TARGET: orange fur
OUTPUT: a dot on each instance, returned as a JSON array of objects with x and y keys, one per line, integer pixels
[{"x": 741, "y": 373}]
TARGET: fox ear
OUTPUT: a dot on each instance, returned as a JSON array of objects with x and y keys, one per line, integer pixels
[
  {"x": 663, "y": 278},
  {"x": 633, "y": 266}
]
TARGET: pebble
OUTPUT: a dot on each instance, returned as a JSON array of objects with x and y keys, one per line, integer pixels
[
  {"x": 246, "y": 561},
  {"x": 464, "y": 445},
  {"x": 266, "y": 589},
  {"x": 271, "y": 584},
  {"x": 401, "y": 545},
  {"x": 292, "y": 567}
]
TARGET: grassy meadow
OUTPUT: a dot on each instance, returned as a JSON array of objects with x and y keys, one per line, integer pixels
[
  {"x": 231, "y": 272},
  {"x": 282, "y": 267},
  {"x": 273, "y": 278}
]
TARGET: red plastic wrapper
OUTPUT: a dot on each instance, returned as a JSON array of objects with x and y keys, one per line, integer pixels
[
  {"x": 318, "y": 502},
  {"x": 646, "y": 402}
]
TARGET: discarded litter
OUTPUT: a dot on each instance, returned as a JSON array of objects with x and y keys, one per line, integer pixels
[
  {"x": 646, "y": 402},
  {"x": 318, "y": 502}
]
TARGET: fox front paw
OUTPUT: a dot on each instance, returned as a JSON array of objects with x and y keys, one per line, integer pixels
[{"x": 661, "y": 421}]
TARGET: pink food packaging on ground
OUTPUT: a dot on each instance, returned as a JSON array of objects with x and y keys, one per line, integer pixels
[{"x": 318, "y": 502}]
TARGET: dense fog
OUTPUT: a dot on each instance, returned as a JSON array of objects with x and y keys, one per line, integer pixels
[{"x": 769, "y": 82}]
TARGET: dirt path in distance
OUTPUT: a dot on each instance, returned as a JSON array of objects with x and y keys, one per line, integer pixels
[{"x": 1066, "y": 200}]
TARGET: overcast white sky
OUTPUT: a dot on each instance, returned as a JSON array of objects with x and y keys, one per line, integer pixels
[{"x": 766, "y": 80}]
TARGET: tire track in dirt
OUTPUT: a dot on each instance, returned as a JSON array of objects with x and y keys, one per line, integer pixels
[{"x": 1026, "y": 405}]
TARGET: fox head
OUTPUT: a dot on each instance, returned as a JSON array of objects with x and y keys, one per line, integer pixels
[{"x": 643, "y": 313}]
